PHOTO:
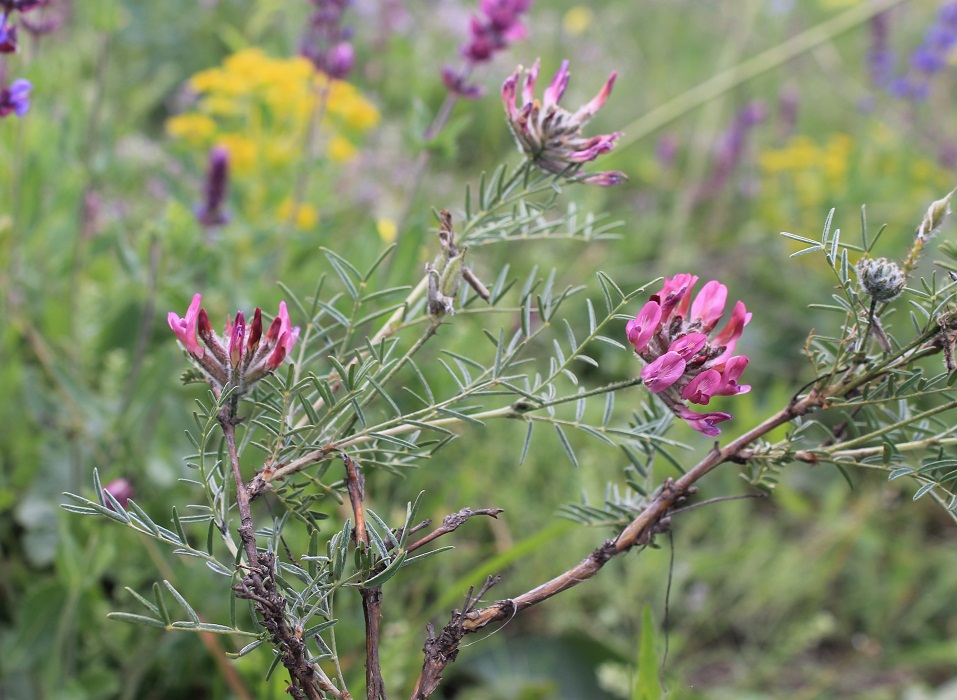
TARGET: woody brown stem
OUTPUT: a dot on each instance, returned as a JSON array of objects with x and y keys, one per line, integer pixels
[
  {"x": 259, "y": 584},
  {"x": 371, "y": 596}
]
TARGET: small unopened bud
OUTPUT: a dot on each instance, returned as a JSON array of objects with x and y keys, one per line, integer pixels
[
  {"x": 255, "y": 331},
  {"x": 934, "y": 217},
  {"x": 880, "y": 279},
  {"x": 236, "y": 340}
]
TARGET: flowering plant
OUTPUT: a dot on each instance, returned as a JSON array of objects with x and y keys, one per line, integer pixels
[{"x": 310, "y": 548}]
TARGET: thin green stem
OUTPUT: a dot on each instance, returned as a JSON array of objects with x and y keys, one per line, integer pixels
[
  {"x": 899, "y": 424},
  {"x": 912, "y": 446}
]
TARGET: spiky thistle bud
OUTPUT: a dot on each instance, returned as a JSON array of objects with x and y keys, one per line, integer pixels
[{"x": 881, "y": 279}]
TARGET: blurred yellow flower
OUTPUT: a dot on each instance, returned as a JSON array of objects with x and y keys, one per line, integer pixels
[
  {"x": 262, "y": 106},
  {"x": 577, "y": 19},
  {"x": 306, "y": 215},
  {"x": 341, "y": 149},
  {"x": 196, "y": 129},
  {"x": 807, "y": 176},
  {"x": 386, "y": 229},
  {"x": 243, "y": 153}
]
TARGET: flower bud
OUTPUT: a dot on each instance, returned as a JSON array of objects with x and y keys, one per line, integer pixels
[
  {"x": 880, "y": 279},
  {"x": 255, "y": 331},
  {"x": 236, "y": 340},
  {"x": 934, "y": 217}
]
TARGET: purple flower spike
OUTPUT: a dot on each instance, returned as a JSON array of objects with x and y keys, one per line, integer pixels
[
  {"x": 551, "y": 136},
  {"x": 211, "y": 213}
]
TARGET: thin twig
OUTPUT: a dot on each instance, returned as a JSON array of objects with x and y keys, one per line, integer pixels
[{"x": 453, "y": 522}]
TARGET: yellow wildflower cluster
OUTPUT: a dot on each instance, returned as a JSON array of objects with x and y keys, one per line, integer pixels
[
  {"x": 260, "y": 108},
  {"x": 805, "y": 177},
  {"x": 813, "y": 170}
]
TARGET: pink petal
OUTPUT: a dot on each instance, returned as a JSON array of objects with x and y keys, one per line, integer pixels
[
  {"x": 663, "y": 372},
  {"x": 555, "y": 90},
  {"x": 185, "y": 328},
  {"x": 703, "y": 387},
  {"x": 708, "y": 306},
  {"x": 689, "y": 345},
  {"x": 508, "y": 96},
  {"x": 703, "y": 422},
  {"x": 588, "y": 110},
  {"x": 729, "y": 377},
  {"x": 528, "y": 89},
  {"x": 641, "y": 328},
  {"x": 676, "y": 291},
  {"x": 608, "y": 178},
  {"x": 236, "y": 338},
  {"x": 731, "y": 332}
]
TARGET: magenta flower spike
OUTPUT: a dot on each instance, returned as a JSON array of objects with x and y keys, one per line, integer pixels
[
  {"x": 551, "y": 136},
  {"x": 685, "y": 360},
  {"x": 243, "y": 354}
]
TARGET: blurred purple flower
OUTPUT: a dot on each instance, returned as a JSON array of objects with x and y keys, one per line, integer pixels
[
  {"x": 21, "y": 5},
  {"x": 497, "y": 25},
  {"x": 730, "y": 148},
  {"x": 217, "y": 180},
  {"x": 666, "y": 150},
  {"x": 930, "y": 58},
  {"x": 121, "y": 489},
  {"x": 788, "y": 101},
  {"x": 326, "y": 42},
  {"x": 880, "y": 57},
  {"x": 8, "y": 35},
  {"x": 16, "y": 98},
  {"x": 551, "y": 136}
]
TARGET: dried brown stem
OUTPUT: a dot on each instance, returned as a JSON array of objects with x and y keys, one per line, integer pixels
[
  {"x": 355, "y": 484},
  {"x": 440, "y": 651},
  {"x": 259, "y": 584},
  {"x": 372, "y": 596},
  {"x": 452, "y": 522}
]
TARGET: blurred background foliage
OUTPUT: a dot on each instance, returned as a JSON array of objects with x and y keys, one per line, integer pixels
[{"x": 821, "y": 591}]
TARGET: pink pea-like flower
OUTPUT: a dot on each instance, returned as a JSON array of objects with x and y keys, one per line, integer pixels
[
  {"x": 685, "y": 360},
  {"x": 550, "y": 135},
  {"x": 243, "y": 354}
]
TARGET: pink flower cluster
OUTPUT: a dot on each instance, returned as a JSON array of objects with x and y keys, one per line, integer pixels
[
  {"x": 550, "y": 135},
  {"x": 685, "y": 362},
  {"x": 243, "y": 355}
]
